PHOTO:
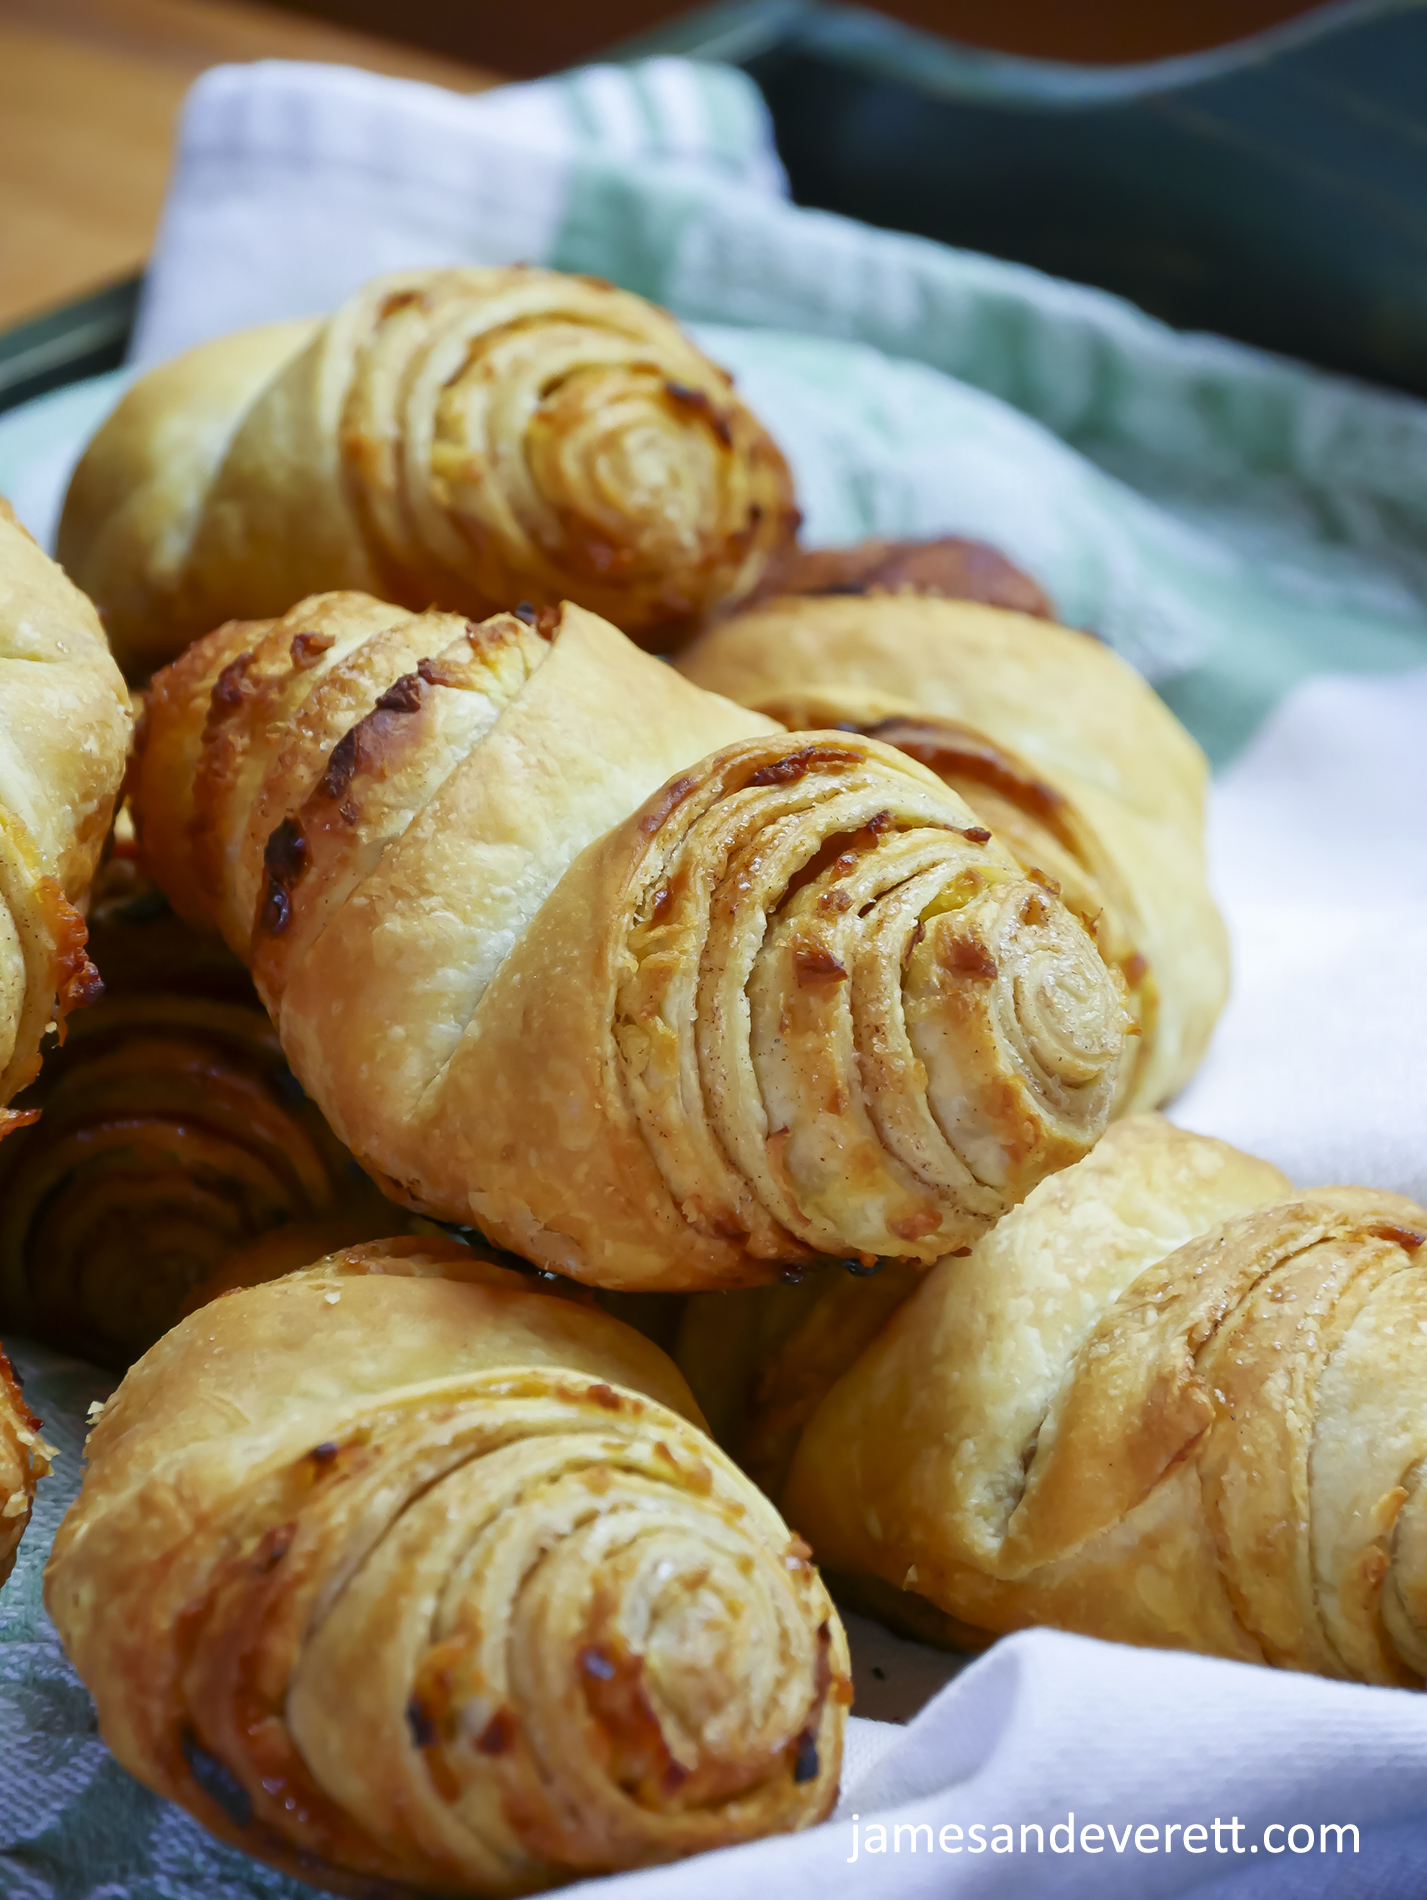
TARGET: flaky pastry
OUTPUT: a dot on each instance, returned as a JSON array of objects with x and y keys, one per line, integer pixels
[
  {"x": 64, "y": 731},
  {"x": 651, "y": 991},
  {"x": 403, "y": 1570},
  {"x": 1168, "y": 1401},
  {"x": 171, "y": 1136},
  {"x": 24, "y": 1460},
  {"x": 1060, "y": 748},
  {"x": 472, "y": 438}
]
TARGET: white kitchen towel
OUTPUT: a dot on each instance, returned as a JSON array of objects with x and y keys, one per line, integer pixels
[
  {"x": 1253, "y": 534},
  {"x": 1318, "y": 846},
  {"x": 293, "y": 184}
]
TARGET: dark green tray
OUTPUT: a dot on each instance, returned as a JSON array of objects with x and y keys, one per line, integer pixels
[
  {"x": 1274, "y": 190},
  {"x": 64, "y": 345}
]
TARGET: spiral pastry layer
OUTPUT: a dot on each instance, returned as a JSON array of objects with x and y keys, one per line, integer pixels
[
  {"x": 1056, "y": 744},
  {"x": 1169, "y": 1401},
  {"x": 476, "y": 438},
  {"x": 400, "y": 1570},
  {"x": 1043, "y": 828},
  {"x": 831, "y": 1018},
  {"x": 795, "y": 1002},
  {"x": 64, "y": 732},
  {"x": 171, "y": 1133}
]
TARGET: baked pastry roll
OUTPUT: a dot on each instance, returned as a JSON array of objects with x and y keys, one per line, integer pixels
[
  {"x": 171, "y": 1136},
  {"x": 64, "y": 732},
  {"x": 24, "y": 1460},
  {"x": 1169, "y": 1401},
  {"x": 1073, "y": 762},
  {"x": 948, "y": 568},
  {"x": 402, "y": 1569},
  {"x": 476, "y": 438},
  {"x": 650, "y": 991}
]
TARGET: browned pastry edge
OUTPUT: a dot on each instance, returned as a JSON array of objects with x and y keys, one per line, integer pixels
[
  {"x": 1166, "y": 1402},
  {"x": 64, "y": 727},
  {"x": 446, "y": 872},
  {"x": 949, "y": 567},
  {"x": 24, "y": 1460},
  {"x": 271, "y": 1481}
]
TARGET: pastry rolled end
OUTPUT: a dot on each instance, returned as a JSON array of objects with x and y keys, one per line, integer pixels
[
  {"x": 501, "y": 1624},
  {"x": 1018, "y": 1024},
  {"x": 1061, "y": 750},
  {"x": 575, "y": 444},
  {"x": 465, "y": 438},
  {"x": 849, "y": 1024},
  {"x": 630, "y": 1658},
  {"x": 641, "y": 1665},
  {"x": 1166, "y": 1402}
]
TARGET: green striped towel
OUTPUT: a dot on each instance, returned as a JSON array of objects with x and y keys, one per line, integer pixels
[{"x": 1251, "y": 533}]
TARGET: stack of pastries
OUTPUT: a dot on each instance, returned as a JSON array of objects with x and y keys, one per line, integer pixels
[
  {"x": 171, "y": 1148},
  {"x": 798, "y": 1007}
]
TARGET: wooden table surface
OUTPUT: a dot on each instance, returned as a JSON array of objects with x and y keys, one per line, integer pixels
[{"x": 89, "y": 91}]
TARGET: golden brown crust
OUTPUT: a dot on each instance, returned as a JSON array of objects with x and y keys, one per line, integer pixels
[
  {"x": 24, "y": 1460},
  {"x": 1167, "y": 1401},
  {"x": 1059, "y": 747},
  {"x": 64, "y": 730},
  {"x": 136, "y": 498},
  {"x": 822, "y": 1015},
  {"x": 1059, "y": 698},
  {"x": 399, "y": 1569},
  {"x": 1048, "y": 835},
  {"x": 469, "y": 437},
  {"x": 948, "y": 568},
  {"x": 794, "y": 1002}
]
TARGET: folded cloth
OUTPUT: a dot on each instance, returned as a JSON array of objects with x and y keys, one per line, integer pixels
[
  {"x": 1179, "y": 494},
  {"x": 1250, "y": 532},
  {"x": 293, "y": 183}
]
